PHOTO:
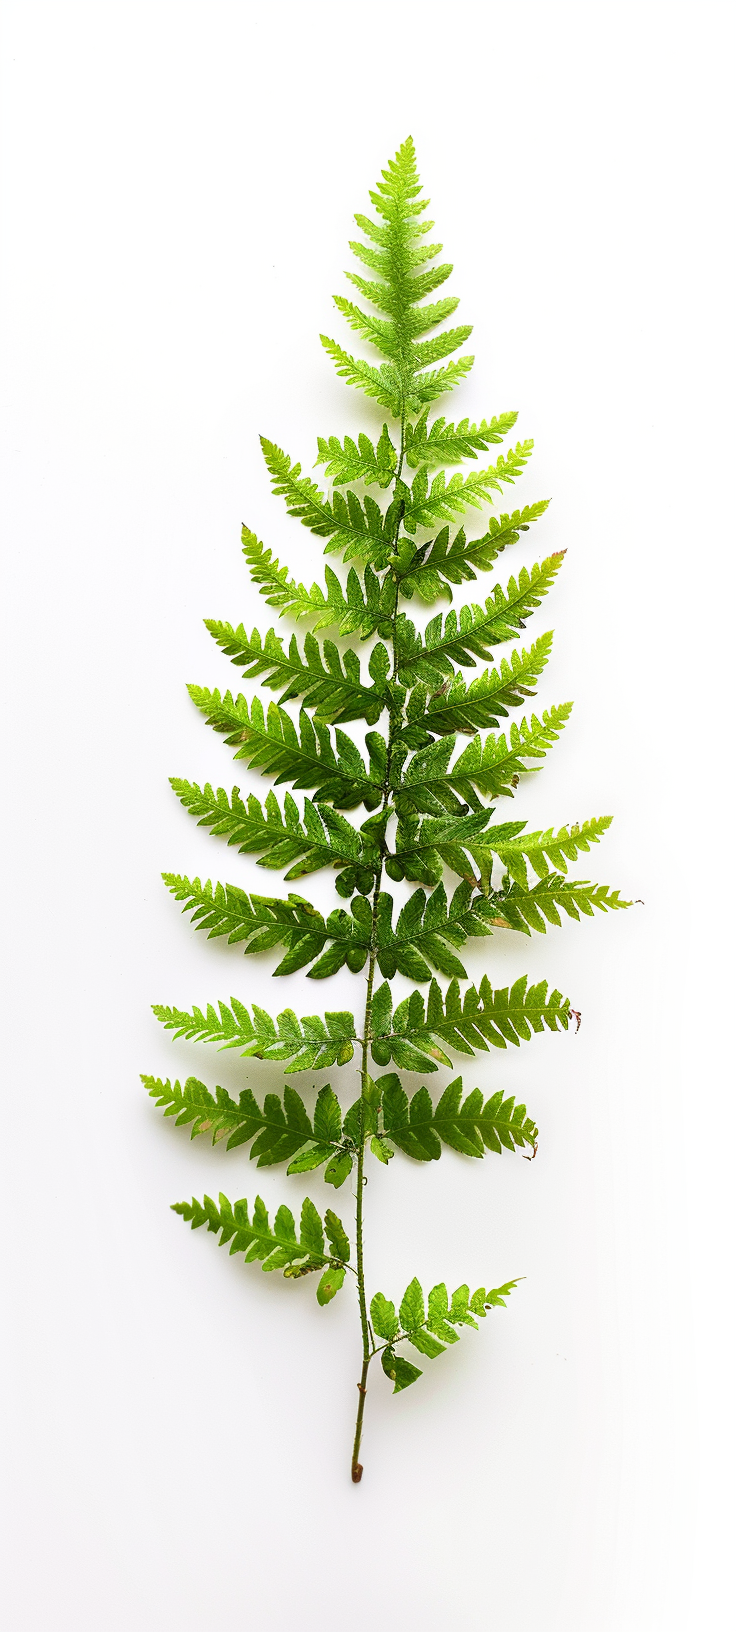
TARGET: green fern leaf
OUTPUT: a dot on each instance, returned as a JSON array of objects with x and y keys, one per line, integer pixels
[
  {"x": 278, "y": 1128},
  {"x": 413, "y": 1034},
  {"x": 430, "y": 568},
  {"x": 264, "y": 922},
  {"x": 470, "y": 1125},
  {"x": 395, "y": 251},
  {"x": 274, "y": 1246},
  {"x": 355, "y": 528},
  {"x": 381, "y": 383},
  {"x": 514, "y": 848},
  {"x": 261, "y": 921},
  {"x": 426, "y": 930},
  {"x": 323, "y": 839},
  {"x": 401, "y": 300},
  {"x": 330, "y": 684},
  {"x": 443, "y": 444},
  {"x": 307, "y": 759},
  {"x": 525, "y": 908},
  {"x": 423, "y": 847},
  {"x": 495, "y": 767},
  {"x": 393, "y": 341},
  {"x": 430, "y": 785},
  {"x": 459, "y": 707},
  {"x": 442, "y": 762},
  {"x": 360, "y": 607},
  {"x": 434, "y": 383},
  {"x": 310, "y": 1044},
  {"x": 424, "y": 505},
  {"x": 429, "y": 1332},
  {"x": 349, "y": 461},
  {"x": 460, "y": 640}
]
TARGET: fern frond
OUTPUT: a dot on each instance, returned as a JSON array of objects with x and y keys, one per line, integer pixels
[
  {"x": 358, "y": 462},
  {"x": 459, "y": 707},
  {"x": 355, "y": 527},
  {"x": 381, "y": 333},
  {"x": 469, "y": 1125},
  {"x": 381, "y": 383},
  {"x": 310, "y": 1044},
  {"x": 441, "y": 765},
  {"x": 306, "y": 759},
  {"x": 276, "y": 1246},
  {"x": 424, "y": 1329},
  {"x": 279, "y": 1129},
  {"x": 323, "y": 839},
  {"x": 258, "y": 922},
  {"x": 330, "y": 684},
  {"x": 495, "y": 767},
  {"x": 443, "y": 444},
  {"x": 384, "y": 295},
  {"x": 460, "y": 640},
  {"x": 526, "y": 908},
  {"x": 425, "y": 930},
  {"x": 429, "y": 785},
  {"x": 361, "y": 607},
  {"x": 394, "y": 338},
  {"x": 427, "y": 387},
  {"x": 411, "y": 1035},
  {"x": 429, "y": 569},
  {"x": 515, "y": 848},
  {"x": 424, "y": 505},
  {"x": 404, "y": 381},
  {"x": 261, "y": 922},
  {"x": 416, "y": 1036},
  {"x": 441, "y": 345}
]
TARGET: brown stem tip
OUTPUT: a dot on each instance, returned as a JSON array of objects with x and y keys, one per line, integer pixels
[{"x": 357, "y": 1472}]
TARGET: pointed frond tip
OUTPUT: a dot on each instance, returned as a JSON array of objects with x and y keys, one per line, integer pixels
[{"x": 396, "y": 252}]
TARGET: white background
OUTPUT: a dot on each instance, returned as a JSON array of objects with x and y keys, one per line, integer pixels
[{"x": 179, "y": 186}]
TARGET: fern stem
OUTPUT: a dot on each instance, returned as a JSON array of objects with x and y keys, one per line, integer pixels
[{"x": 357, "y": 1467}]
